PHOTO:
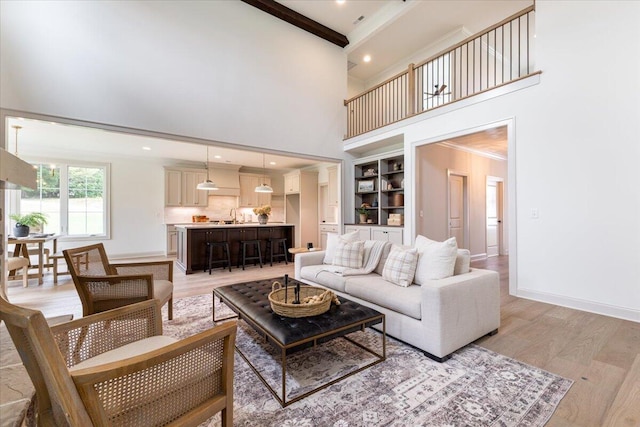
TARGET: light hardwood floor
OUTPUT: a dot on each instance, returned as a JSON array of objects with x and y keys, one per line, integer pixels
[{"x": 600, "y": 354}]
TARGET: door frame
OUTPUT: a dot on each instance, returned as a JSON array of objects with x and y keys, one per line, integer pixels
[{"x": 465, "y": 202}]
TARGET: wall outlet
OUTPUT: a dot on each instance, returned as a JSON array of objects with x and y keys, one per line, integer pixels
[{"x": 535, "y": 214}]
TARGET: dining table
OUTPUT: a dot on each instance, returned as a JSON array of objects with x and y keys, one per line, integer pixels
[{"x": 21, "y": 249}]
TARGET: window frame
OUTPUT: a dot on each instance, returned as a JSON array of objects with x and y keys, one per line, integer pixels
[{"x": 63, "y": 166}]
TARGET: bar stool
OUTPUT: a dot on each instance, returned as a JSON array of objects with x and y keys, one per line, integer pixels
[
  {"x": 273, "y": 244},
  {"x": 255, "y": 244},
  {"x": 225, "y": 258}
]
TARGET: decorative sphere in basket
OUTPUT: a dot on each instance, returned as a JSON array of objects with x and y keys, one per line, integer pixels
[{"x": 313, "y": 300}]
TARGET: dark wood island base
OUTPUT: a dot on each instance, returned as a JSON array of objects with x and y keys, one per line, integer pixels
[{"x": 192, "y": 239}]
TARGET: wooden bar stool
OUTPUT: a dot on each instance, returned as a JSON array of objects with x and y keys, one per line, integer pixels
[
  {"x": 225, "y": 257},
  {"x": 273, "y": 246},
  {"x": 257, "y": 254}
]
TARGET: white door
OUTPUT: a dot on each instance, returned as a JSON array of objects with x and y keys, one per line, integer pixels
[
  {"x": 494, "y": 216},
  {"x": 457, "y": 209}
]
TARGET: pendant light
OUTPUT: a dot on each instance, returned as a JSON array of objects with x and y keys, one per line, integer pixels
[
  {"x": 208, "y": 184},
  {"x": 17, "y": 128},
  {"x": 264, "y": 188}
]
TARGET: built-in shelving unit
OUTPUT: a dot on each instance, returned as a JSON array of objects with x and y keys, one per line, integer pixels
[{"x": 379, "y": 182}]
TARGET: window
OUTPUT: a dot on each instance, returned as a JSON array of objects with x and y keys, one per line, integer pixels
[{"x": 73, "y": 196}]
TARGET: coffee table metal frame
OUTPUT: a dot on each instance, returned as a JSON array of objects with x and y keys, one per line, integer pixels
[{"x": 283, "y": 348}]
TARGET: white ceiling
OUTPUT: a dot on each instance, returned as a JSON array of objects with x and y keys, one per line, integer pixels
[
  {"x": 46, "y": 140},
  {"x": 393, "y": 30}
]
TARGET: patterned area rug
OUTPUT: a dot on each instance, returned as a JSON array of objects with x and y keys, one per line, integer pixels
[{"x": 476, "y": 387}]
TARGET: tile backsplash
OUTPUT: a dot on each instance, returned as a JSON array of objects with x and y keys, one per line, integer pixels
[{"x": 220, "y": 208}]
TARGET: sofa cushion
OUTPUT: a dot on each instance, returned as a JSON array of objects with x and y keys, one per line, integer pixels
[
  {"x": 437, "y": 259},
  {"x": 400, "y": 266},
  {"x": 349, "y": 254},
  {"x": 463, "y": 261},
  {"x": 332, "y": 242},
  {"x": 374, "y": 289},
  {"x": 322, "y": 275}
]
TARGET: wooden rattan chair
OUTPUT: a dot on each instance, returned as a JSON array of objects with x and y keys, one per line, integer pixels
[
  {"x": 115, "y": 368},
  {"x": 103, "y": 286}
]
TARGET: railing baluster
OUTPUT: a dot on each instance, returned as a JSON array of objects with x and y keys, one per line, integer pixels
[{"x": 464, "y": 68}]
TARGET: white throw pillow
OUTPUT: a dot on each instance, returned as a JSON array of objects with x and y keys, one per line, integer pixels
[
  {"x": 332, "y": 243},
  {"x": 349, "y": 254},
  {"x": 437, "y": 260},
  {"x": 463, "y": 260},
  {"x": 400, "y": 266}
]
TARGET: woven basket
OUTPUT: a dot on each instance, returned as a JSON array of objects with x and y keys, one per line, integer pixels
[{"x": 276, "y": 298}]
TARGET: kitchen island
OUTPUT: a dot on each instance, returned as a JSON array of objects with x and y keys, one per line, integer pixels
[{"x": 193, "y": 238}]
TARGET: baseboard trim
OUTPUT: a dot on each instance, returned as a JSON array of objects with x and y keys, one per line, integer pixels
[
  {"x": 137, "y": 255},
  {"x": 583, "y": 305},
  {"x": 478, "y": 257}
]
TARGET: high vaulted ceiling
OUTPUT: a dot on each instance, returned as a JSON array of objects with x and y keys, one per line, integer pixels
[{"x": 393, "y": 30}]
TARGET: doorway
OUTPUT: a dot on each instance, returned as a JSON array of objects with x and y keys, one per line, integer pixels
[
  {"x": 494, "y": 216},
  {"x": 458, "y": 207}
]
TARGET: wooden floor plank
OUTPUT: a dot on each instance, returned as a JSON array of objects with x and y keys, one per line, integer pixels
[
  {"x": 599, "y": 353},
  {"x": 625, "y": 409}
]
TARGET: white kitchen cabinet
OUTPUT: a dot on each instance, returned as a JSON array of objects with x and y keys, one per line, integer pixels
[
  {"x": 332, "y": 187},
  {"x": 387, "y": 234},
  {"x": 248, "y": 196},
  {"x": 301, "y": 207},
  {"x": 292, "y": 182},
  {"x": 324, "y": 230},
  {"x": 180, "y": 188},
  {"x": 172, "y": 240},
  {"x": 172, "y": 188}
]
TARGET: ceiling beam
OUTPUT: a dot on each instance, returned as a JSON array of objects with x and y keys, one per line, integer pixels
[{"x": 294, "y": 18}]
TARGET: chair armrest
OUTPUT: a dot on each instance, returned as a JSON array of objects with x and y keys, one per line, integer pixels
[
  {"x": 178, "y": 377},
  {"x": 95, "y": 334},
  {"x": 161, "y": 270}
]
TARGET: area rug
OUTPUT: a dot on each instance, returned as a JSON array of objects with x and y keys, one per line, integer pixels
[{"x": 476, "y": 387}]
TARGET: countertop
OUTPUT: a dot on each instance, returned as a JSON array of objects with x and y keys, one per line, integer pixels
[{"x": 245, "y": 225}]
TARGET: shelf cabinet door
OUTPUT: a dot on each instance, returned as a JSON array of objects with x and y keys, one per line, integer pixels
[
  {"x": 173, "y": 188},
  {"x": 332, "y": 190},
  {"x": 292, "y": 183},
  {"x": 393, "y": 235},
  {"x": 364, "y": 233},
  {"x": 191, "y": 195},
  {"x": 248, "y": 195}
]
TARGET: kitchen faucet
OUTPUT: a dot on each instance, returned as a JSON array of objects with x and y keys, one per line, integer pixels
[{"x": 235, "y": 215}]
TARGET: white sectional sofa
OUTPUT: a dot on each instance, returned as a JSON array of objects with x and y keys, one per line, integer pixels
[{"x": 438, "y": 316}]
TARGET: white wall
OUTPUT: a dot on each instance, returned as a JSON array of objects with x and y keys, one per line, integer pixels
[
  {"x": 218, "y": 70},
  {"x": 574, "y": 155}
]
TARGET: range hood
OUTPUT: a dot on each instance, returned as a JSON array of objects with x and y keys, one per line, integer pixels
[
  {"x": 227, "y": 178},
  {"x": 15, "y": 173}
]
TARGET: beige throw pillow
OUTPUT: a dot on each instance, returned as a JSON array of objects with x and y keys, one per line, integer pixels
[
  {"x": 349, "y": 254},
  {"x": 400, "y": 266},
  {"x": 332, "y": 243},
  {"x": 463, "y": 260},
  {"x": 437, "y": 259}
]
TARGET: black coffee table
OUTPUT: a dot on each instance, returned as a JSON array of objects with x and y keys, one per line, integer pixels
[{"x": 251, "y": 303}]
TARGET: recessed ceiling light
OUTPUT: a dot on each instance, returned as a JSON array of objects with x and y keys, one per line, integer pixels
[
  {"x": 217, "y": 156},
  {"x": 146, "y": 148},
  {"x": 340, "y": 1},
  {"x": 367, "y": 58},
  {"x": 272, "y": 163}
]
